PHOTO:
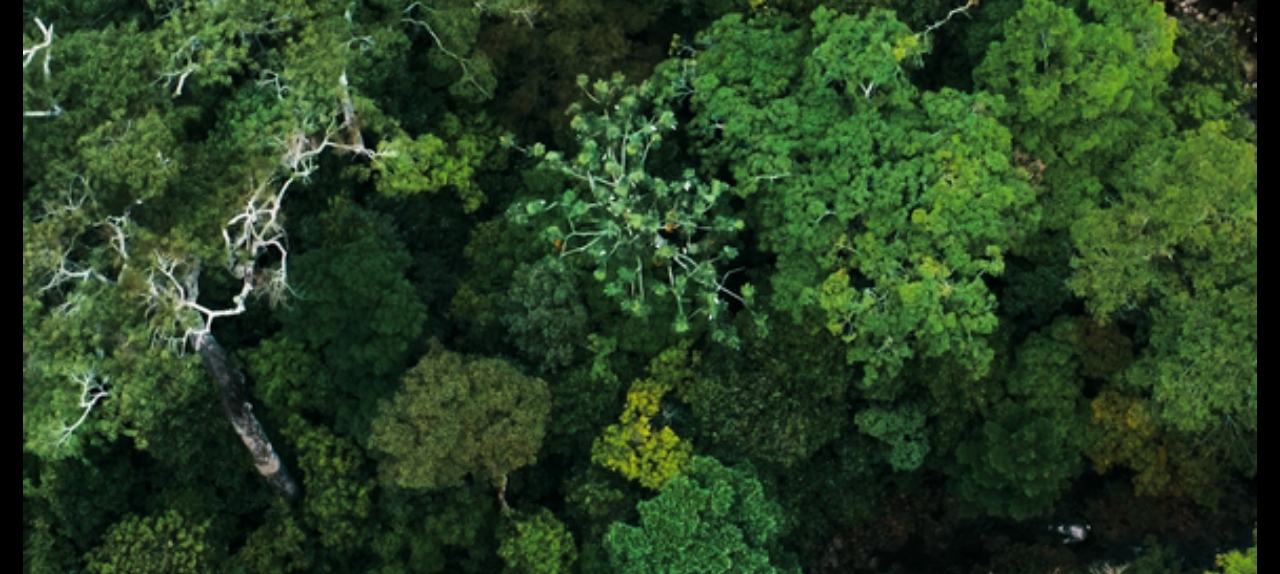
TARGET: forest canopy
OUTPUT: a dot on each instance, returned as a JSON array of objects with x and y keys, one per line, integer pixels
[{"x": 598, "y": 286}]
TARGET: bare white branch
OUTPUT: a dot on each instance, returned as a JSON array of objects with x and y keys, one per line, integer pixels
[
  {"x": 92, "y": 390},
  {"x": 45, "y": 46},
  {"x": 172, "y": 300},
  {"x": 467, "y": 73},
  {"x": 179, "y": 320},
  {"x": 961, "y": 10},
  {"x": 71, "y": 271},
  {"x": 29, "y": 54},
  {"x": 349, "y": 114},
  {"x": 271, "y": 79},
  {"x": 72, "y": 203},
  {"x": 53, "y": 112},
  {"x": 256, "y": 230},
  {"x": 119, "y": 226},
  {"x": 182, "y": 65}
]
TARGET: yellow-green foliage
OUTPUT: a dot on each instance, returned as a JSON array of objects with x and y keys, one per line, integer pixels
[
  {"x": 635, "y": 448},
  {"x": 1237, "y": 562},
  {"x": 537, "y": 544},
  {"x": 168, "y": 543},
  {"x": 1165, "y": 462}
]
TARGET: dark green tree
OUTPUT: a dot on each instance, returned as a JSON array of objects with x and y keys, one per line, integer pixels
[
  {"x": 355, "y": 308},
  {"x": 279, "y": 545},
  {"x": 901, "y": 429},
  {"x": 338, "y": 493},
  {"x": 777, "y": 402},
  {"x": 1028, "y": 446},
  {"x": 545, "y": 317}
]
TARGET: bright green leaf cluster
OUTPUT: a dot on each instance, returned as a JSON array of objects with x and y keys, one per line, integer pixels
[
  {"x": 902, "y": 429},
  {"x": 407, "y": 166},
  {"x": 1083, "y": 87},
  {"x": 711, "y": 520},
  {"x": 1237, "y": 562},
  {"x": 645, "y": 234}
]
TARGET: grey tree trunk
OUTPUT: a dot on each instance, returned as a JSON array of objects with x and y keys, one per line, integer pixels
[{"x": 235, "y": 402}]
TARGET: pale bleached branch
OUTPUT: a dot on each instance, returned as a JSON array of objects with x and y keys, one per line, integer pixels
[
  {"x": 92, "y": 390},
  {"x": 349, "y": 114},
  {"x": 271, "y": 79},
  {"x": 182, "y": 71},
  {"x": 53, "y": 112},
  {"x": 253, "y": 232},
  {"x": 961, "y": 10},
  {"x": 45, "y": 47},
  {"x": 69, "y": 270},
  {"x": 467, "y": 73}
]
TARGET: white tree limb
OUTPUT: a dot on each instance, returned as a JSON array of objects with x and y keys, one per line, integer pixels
[
  {"x": 180, "y": 73},
  {"x": 45, "y": 46},
  {"x": 467, "y": 73},
  {"x": 258, "y": 229},
  {"x": 92, "y": 391},
  {"x": 53, "y": 112},
  {"x": 961, "y": 10},
  {"x": 29, "y": 54},
  {"x": 349, "y": 121},
  {"x": 69, "y": 270},
  {"x": 271, "y": 79}
]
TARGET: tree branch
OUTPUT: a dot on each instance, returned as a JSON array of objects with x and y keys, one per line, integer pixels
[
  {"x": 92, "y": 391},
  {"x": 29, "y": 55},
  {"x": 239, "y": 411},
  {"x": 961, "y": 10}
]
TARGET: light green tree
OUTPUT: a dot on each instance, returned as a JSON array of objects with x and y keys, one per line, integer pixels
[
  {"x": 1083, "y": 88},
  {"x": 647, "y": 235},
  {"x": 710, "y": 520},
  {"x": 887, "y": 207}
]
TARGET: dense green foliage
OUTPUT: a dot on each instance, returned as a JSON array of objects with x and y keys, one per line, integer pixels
[
  {"x": 606, "y": 286},
  {"x": 456, "y": 417},
  {"x": 711, "y": 519},
  {"x": 885, "y": 206},
  {"x": 155, "y": 544},
  {"x": 539, "y": 544}
]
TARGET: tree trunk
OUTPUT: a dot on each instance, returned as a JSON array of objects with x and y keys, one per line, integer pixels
[{"x": 231, "y": 387}]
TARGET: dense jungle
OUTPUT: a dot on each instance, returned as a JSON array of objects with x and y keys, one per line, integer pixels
[{"x": 615, "y": 286}]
